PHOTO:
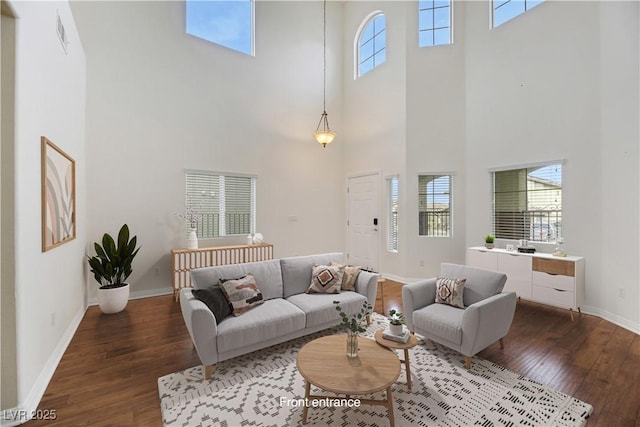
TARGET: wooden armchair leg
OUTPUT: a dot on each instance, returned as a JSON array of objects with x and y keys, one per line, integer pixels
[
  {"x": 208, "y": 371},
  {"x": 467, "y": 362},
  {"x": 368, "y": 319},
  {"x": 502, "y": 343}
]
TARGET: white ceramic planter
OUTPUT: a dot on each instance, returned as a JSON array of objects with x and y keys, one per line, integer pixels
[
  {"x": 192, "y": 239},
  {"x": 396, "y": 329},
  {"x": 113, "y": 300}
]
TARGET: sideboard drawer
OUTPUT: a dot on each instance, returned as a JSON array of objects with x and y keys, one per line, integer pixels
[
  {"x": 559, "y": 298},
  {"x": 564, "y": 283},
  {"x": 554, "y": 266}
]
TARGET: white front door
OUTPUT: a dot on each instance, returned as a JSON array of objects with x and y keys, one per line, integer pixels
[{"x": 363, "y": 222}]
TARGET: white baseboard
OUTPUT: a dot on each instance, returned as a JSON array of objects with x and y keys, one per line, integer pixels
[
  {"x": 141, "y": 294},
  {"x": 26, "y": 410},
  {"x": 613, "y": 318}
]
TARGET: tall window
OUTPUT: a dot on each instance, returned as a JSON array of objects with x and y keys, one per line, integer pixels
[
  {"x": 434, "y": 205},
  {"x": 392, "y": 214},
  {"x": 434, "y": 22},
  {"x": 227, "y": 23},
  {"x": 504, "y": 10},
  {"x": 527, "y": 203},
  {"x": 372, "y": 41},
  {"x": 225, "y": 204}
]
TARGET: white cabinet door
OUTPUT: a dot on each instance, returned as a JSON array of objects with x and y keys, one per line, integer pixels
[
  {"x": 518, "y": 271},
  {"x": 484, "y": 259}
]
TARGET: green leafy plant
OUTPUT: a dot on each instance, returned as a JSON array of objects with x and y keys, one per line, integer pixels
[
  {"x": 489, "y": 238},
  {"x": 395, "y": 317},
  {"x": 112, "y": 264},
  {"x": 354, "y": 323}
]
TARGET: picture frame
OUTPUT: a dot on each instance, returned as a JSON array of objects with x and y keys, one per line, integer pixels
[{"x": 58, "y": 196}]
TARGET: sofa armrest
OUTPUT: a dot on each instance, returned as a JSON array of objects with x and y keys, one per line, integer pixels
[
  {"x": 202, "y": 326},
  {"x": 486, "y": 321},
  {"x": 367, "y": 285},
  {"x": 415, "y": 296}
]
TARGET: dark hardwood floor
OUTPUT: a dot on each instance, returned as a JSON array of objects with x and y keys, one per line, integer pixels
[{"x": 108, "y": 375}]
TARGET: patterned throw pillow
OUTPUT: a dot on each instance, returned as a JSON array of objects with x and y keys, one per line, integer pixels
[
  {"x": 350, "y": 276},
  {"x": 242, "y": 293},
  {"x": 325, "y": 279},
  {"x": 449, "y": 291},
  {"x": 216, "y": 300}
]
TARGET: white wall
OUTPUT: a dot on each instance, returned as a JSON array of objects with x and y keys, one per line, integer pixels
[
  {"x": 50, "y": 101},
  {"x": 561, "y": 82},
  {"x": 161, "y": 101}
]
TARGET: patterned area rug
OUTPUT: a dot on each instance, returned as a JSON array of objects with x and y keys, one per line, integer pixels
[{"x": 261, "y": 388}]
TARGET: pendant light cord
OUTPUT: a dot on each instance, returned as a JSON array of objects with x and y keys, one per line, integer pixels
[{"x": 324, "y": 58}]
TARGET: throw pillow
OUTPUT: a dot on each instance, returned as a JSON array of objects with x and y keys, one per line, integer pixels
[
  {"x": 242, "y": 293},
  {"x": 325, "y": 279},
  {"x": 214, "y": 298},
  {"x": 449, "y": 291},
  {"x": 350, "y": 276}
]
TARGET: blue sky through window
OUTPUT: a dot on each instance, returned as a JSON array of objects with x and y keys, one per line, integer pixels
[{"x": 228, "y": 23}]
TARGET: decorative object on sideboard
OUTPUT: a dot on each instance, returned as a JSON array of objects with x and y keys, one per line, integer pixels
[
  {"x": 191, "y": 217},
  {"x": 111, "y": 266},
  {"x": 324, "y": 135},
  {"x": 559, "y": 250},
  {"x": 258, "y": 239},
  {"x": 355, "y": 326},
  {"x": 488, "y": 241}
]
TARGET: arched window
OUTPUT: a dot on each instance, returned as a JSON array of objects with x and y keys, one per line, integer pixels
[{"x": 371, "y": 43}]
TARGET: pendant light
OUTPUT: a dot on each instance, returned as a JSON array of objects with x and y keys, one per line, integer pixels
[{"x": 323, "y": 133}]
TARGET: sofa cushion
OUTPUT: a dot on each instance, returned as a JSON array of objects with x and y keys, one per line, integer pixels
[
  {"x": 481, "y": 284},
  {"x": 267, "y": 274},
  {"x": 350, "y": 276},
  {"x": 296, "y": 271},
  {"x": 242, "y": 293},
  {"x": 440, "y": 320},
  {"x": 320, "y": 309},
  {"x": 214, "y": 298},
  {"x": 272, "y": 319},
  {"x": 325, "y": 279},
  {"x": 450, "y": 291}
]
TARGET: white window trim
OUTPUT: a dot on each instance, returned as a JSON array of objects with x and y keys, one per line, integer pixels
[{"x": 356, "y": 41}]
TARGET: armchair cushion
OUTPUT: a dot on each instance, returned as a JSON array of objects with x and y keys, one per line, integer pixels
[{"x": 441, "y": 320}]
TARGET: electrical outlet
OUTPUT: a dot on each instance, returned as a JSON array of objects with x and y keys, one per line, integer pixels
[
  {"x": 621, "y": 292},
  {"x": 421, "y": 263}
]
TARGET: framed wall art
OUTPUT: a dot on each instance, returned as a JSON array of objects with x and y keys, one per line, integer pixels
[{"x": 58, "y": 196}]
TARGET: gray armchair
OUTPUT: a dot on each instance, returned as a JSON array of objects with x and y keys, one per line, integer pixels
[{"x": 486, "y": 318}]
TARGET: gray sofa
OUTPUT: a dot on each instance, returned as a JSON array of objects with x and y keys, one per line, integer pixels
[
  {"x": 288, "y": 312},
  {"x": 486, "y": 318}
]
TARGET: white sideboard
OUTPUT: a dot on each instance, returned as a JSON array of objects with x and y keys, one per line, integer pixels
[{"x": 539, "y": 277}]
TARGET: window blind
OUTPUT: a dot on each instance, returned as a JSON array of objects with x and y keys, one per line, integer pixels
[
  {"x": 434, "y": 205},
  {"x": 527, "y": 203},
  {"x": 225, "y": 204},
  {"x": 392, "y": 213}
]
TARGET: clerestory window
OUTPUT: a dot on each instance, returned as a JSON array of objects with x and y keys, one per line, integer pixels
[
  {"x": 434, "y": 22},
  {"x": 371, "y": 44},
  {"x": 227, "y": 23},
  {"x": 504, "y": 10}
]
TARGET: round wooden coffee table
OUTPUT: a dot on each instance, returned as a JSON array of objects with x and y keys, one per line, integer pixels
[
  {"x": 323, "y": 362},
  {"x": 399, "y": 346}
]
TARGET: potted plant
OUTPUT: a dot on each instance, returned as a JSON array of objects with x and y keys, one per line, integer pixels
[
  {"x": 111, "y": 266},
  {"x": 354, "y": 326},
  {"x": 395, "y": 322},
  {"x": 488, "y": 241}
]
